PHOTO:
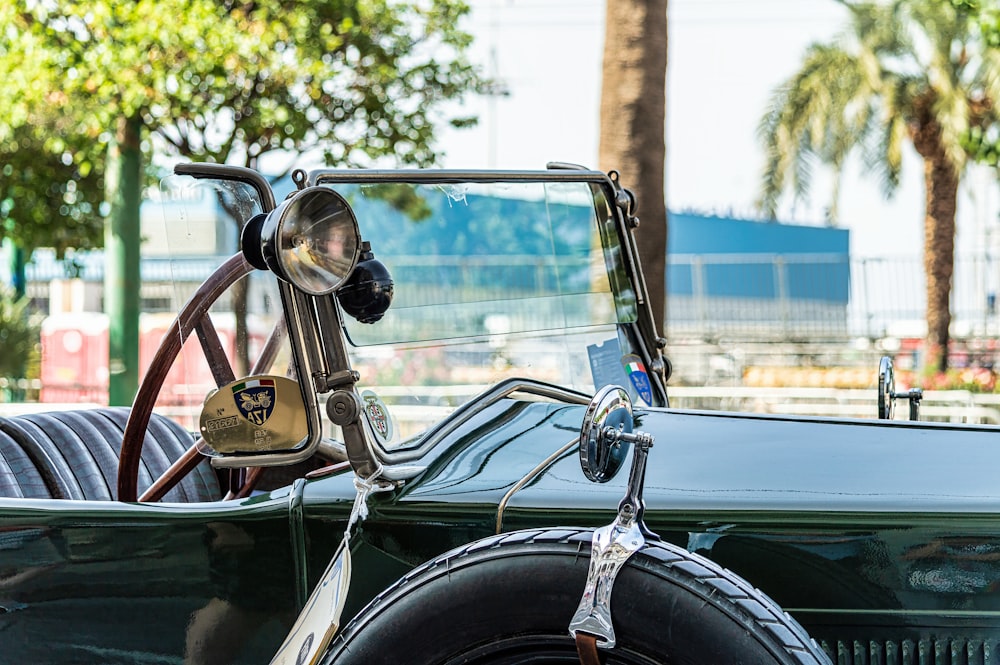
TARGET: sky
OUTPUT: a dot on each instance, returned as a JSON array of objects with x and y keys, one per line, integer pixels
[{"x": 725, "y": 58}]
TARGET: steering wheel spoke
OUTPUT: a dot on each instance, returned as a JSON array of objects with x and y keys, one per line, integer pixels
[{"x": 214, "y": 352}]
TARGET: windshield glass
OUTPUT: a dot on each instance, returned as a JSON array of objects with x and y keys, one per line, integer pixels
[
  {"x": 492, "y": 280},
  {"x": 194, "y": 228},
  {"x": 473, "y": 260}
]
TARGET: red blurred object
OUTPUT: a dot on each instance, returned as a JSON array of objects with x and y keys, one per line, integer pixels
[{"x": 74, "y": 363}]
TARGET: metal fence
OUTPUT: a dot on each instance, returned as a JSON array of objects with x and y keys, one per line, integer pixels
[
  {"x": 768, "y": 309},
  {"x": 758, "y": 297},
  {"x": 800, "y": 297},
  {"x": 953, "y": 406}
]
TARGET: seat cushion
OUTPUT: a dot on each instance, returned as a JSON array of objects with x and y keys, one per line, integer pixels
[
  {"x": 76, "y": 453},
  {"x": 19, "y": 477}
]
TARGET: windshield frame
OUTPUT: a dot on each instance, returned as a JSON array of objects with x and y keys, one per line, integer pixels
[
  {"x": 645, "y": 331},
  {"x": 313, "y": 315}
]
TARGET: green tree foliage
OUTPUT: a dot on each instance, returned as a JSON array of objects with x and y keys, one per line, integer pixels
[
  {"x": 983, "y": 143},
  {"x": 18, "y": 336},
  {"x": 50, "y": 187},
  {"x": 211, "y": 80},
  {"x": 985, "y": 16},
  {"x": 50, "y": 192},
  {"x": 906, "y": 71}
]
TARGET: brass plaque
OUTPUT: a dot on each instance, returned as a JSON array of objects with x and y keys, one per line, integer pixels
[{"x": 258, "y": 414}]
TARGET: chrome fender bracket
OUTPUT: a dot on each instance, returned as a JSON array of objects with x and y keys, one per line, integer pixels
[{"x": 610, "y": 549}]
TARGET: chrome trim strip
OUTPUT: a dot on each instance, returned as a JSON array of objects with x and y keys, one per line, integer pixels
[
  {"x": 491, "y": 396},
  {"x": 531, "y": 475},
  {"x": 448, "y": 176},
  {"x": 611, "y": 548},
  {"x": 297, "y": 531}
]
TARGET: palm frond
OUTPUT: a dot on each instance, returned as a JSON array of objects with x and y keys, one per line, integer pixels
[
  {"x": 884, "y": 158},
  {"x": 813, "y": 105},
  {"x": 899, "y": 65}
]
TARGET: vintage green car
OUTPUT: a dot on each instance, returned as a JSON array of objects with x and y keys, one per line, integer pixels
[{"x": 442, "y": 434}]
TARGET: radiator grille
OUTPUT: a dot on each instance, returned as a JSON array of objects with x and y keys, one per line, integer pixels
[{"x": 912, "y": 652}]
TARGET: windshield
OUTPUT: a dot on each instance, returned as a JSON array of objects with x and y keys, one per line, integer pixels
[
  {"x": 475, "y": 260},
  {"x": 194, "y": 227},
  {"x": 492, "y": 280}
]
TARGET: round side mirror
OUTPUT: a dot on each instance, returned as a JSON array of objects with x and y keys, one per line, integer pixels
[
  {"x": 601, "y": 454},
  {"x": 886, "y": 388}
]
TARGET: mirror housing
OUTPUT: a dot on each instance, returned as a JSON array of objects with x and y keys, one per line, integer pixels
[{"x": 601, "y": 455}]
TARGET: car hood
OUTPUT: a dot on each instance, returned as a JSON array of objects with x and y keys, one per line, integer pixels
[{"x": 524, "y": 456}]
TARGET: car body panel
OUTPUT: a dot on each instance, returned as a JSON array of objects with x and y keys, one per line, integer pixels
[
  {"x": 865, "y": 553},
  {"x": 851, "y": 549},
  {"x": 844, "y": 548},
  {"x": 104, "y": 581}
]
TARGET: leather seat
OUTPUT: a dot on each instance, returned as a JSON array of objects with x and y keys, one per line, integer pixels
[
  {"x": 19, "y": 477},
  {"x": 76, "y": 455}
]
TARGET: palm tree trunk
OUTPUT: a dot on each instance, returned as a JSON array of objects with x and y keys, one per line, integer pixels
[
  {"x": 633, "y": 111},
  {"x": 941, "y": 184}
]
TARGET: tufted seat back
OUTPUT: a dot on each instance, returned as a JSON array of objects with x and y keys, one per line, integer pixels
[{"x": 74, "y": 455}]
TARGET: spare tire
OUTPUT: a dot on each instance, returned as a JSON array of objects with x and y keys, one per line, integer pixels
[{"x": 509, "y": 599}]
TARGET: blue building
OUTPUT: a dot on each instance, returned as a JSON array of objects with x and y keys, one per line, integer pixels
[{"x": 729, "y": 276}]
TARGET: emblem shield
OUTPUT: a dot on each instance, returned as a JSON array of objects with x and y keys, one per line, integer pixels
[
  {"x": 255, "y": 400},
  {"x": 378, "y": 415},
  {"x": 262, "y": 413}
]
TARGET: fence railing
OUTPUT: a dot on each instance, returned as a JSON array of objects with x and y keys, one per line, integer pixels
[
  {"x": 770, "y": 297},
  {"x": 954, "y": 406},
  {"x": 826, "y": 296}
]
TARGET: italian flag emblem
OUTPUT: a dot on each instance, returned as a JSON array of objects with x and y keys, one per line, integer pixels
[
  {"x": 255, "y": 399},
  {"x": 637, "y": 375}
]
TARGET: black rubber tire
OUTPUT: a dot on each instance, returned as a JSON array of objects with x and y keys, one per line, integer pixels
[
  {"x": 47, "y": 458},
  {"x": 86, "y": 466},
  {"x": 201, "y": 484},
  {"x": 159, "y": 449},
  {"x": 164, "y": 443},
  {"x": 509, "y": 599},
  {"x": 102, "y": 438}
]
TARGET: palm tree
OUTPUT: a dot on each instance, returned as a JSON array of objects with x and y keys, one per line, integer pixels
[
  {"x": 633, "y": 142},
  {"x": 905, "y": 71}
]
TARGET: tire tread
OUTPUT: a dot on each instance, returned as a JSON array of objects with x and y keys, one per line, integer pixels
[{"x": 715, "y": 584}]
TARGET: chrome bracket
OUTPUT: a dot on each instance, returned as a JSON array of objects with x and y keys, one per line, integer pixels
[
  {"x": 611, "y": 547},
  {"x": 887, "y": 394}
]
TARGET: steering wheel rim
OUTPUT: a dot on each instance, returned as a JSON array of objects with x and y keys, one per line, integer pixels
[{"x": 193, "y": 316}]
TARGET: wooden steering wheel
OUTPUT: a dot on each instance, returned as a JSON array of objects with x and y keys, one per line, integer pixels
[{"x": 193, "y": 317}]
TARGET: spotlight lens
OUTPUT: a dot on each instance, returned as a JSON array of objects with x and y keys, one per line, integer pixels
[{"x": 317, "y": 240}]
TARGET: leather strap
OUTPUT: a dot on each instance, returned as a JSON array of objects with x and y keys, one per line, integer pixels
[{"x": 586, "y": 648}]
